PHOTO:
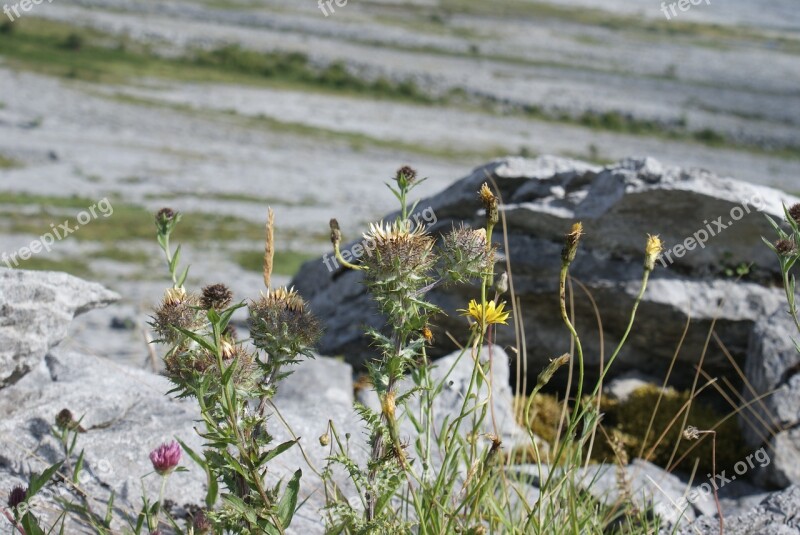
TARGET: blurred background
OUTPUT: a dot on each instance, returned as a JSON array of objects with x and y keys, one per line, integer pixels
[{"x": 221, "y": 108}]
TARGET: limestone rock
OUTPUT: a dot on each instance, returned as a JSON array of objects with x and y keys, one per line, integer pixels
[{"x": 36, "y": 309}]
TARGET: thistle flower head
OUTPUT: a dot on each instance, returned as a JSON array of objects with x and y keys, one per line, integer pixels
[
  {"x": 396, "y": 249},
  {"x": 216, "y": 296},
  {"x": 17, "y": 496},
  {"x": 786, "y": 247},
  {"x": 652, "y": 251},
  {"x": 166, "y": 457},
  {"x": 201, "y": 523},
  {"x": 405, "y": 176},
  {"x": 177, "y": 309},
  {"x": 166, "y": 219},
  {"x": 794, "y": 213},
  {"x": 571, "y": 241},
  {"x": 465, "y": 254},
  {"x": 281, "y": 325},
  {"x": 65, "y": 420},
  {"x": 487, "y": 314}
]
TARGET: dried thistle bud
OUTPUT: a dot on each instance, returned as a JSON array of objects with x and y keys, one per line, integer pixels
[
  {"x": 571, "y": 242},
  {"x": 794, "y": 213},
  {"x": 65, "y": 420},
  {"x": 216, "y": 296},
  {"x": 324, "y": 439},
  {"x": 786, "y": 247},
  {"x": 653, "y": 250},
  {"x": 336, "y": 233},
  {"x": 17, "y": 496},
  {"x": 405, "y": 176},
  {"x": 691, "y": 433},
  {"x": 489, "y": 200}
]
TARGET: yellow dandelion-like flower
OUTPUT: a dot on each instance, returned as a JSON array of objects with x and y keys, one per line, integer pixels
[
  {"x": 652, "y": 251},
  {"x": 486, "y": 314}
]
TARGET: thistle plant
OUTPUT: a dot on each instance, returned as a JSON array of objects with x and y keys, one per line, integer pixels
[
  {"x": 233, "y": 384},
  {"x": 788, "y": 253},
  {"x": 400, "y": 489}
]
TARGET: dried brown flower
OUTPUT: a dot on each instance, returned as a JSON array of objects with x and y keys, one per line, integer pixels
[
  {"x": 216, "y": 296},
  {"x": 794, "y": 212},
  {"x": 786, "y": 247}
]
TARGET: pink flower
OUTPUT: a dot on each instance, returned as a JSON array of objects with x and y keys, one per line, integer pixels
[{"x": 166, "y": 457}]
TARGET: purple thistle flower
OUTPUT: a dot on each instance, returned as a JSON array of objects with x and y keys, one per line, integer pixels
[
  {"x": 166, "y": 457},
  {"x": 17, "y": 496}
]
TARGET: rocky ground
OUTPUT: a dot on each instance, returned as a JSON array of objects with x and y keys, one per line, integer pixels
[{"x": 714, "y": 89}]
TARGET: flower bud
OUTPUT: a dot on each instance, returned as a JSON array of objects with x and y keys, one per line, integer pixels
[
  {"x": 571, "y": 242},
  {"x": 652, "y": 251}
]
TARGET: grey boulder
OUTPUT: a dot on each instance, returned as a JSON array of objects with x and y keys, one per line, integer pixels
[{"x": 36, "y": 309}]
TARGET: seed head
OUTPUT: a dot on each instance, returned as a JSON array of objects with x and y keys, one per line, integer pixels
[
  {"x": 324, "y": 440},
  {"x": 501, "y": 283},
  {"x": 794, "y": 213},
  {"x": 17, "y": 496},
  {"x": 691, "y": 433},
  {"x": 571, "y": 242},
  {"x": 652, "y": 250},
  {"x": 216, "y": 296},
  {"x": 177, "y": 309}
]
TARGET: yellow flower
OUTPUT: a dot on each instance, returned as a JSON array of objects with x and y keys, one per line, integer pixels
[{"x": 486, "y": 314}]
